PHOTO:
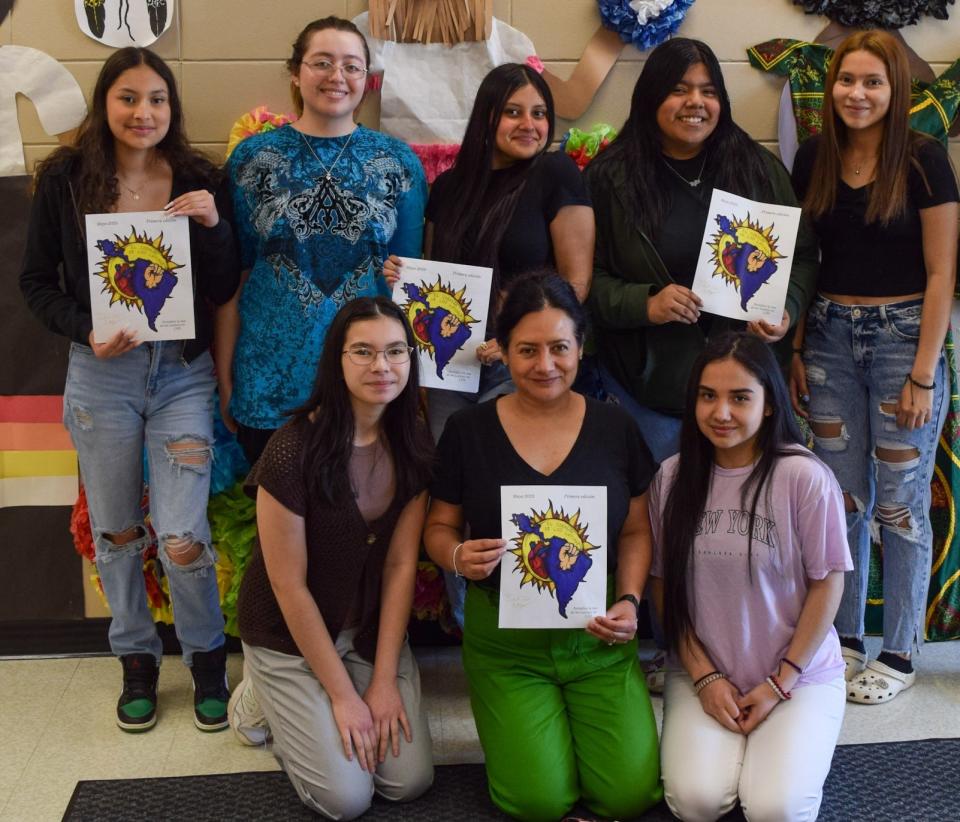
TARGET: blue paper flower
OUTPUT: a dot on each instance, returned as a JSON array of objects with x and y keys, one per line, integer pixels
[{"x": 621, "y": 18}]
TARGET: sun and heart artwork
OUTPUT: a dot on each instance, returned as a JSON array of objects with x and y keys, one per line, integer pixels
[
  {"x": 554, "y": 572},
  {"x": 140, "y": 276},
  {"x": 446, "y": 305}
]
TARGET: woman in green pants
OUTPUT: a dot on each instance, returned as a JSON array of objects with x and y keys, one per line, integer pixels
[{"x": 563, "y": 715}]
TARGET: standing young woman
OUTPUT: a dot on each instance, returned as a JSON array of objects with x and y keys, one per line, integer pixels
[
  {"x": 132, "y": 155},
  {"x": 563, "y": 715},
  {"x": 325, "y": 603},
  {"x": 883, "y": 200},
  {"x": 651, "y": 191},
  {"x": 319, "y": 204},
  {"x": 749, "y": 555},
  {"x": 510, "y": 205}
]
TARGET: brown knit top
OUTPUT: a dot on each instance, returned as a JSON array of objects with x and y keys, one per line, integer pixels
[{"x": 345, "y": 554}]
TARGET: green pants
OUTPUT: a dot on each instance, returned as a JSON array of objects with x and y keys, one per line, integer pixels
[{"x": 562, "y": 717}]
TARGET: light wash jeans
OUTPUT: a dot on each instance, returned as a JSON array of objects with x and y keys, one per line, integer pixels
[
  {"x": 112, "y": 408},
  {"x": 857, "y": 359}
]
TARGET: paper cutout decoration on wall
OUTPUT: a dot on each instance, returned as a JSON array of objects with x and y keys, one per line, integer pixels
[
  {"x": 51, "y": 88},
  {"x": 122, "y": 23},
  {"x": 878, "y": 14},
  {"x": 645, "y": 23}
]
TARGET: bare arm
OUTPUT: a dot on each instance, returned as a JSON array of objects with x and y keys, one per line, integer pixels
[
  {"x": 284, "y": 545},
  {"x": 226, "y": 330},
  {"x": 396, "y": 602},
  {"x": 443, "y": 537},
  {"x": 816, "y": 617},
  {"x": 572, "y": 97},
  {"x": 572, "y": 233},
  {"x": 939, "y": 229}
]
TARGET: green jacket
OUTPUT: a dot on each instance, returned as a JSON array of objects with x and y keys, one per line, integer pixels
[{"x": 653, "y": 362}]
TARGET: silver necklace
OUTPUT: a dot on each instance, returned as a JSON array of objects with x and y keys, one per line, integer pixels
[
  {"x": 327, "y": 172},
  {"x": 692, "y": 183}
]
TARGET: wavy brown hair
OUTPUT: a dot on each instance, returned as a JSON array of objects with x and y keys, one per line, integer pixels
[
  {"x": 898, "y": 145},
  {"x": 92, "y": 160}
]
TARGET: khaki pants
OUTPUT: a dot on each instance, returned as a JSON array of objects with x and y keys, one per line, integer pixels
[{"x": 307, "y": 743}]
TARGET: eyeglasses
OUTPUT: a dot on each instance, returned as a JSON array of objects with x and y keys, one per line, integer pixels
[
  {"x": 394, "y": 354},
  {"x": 326, "y": 69}
]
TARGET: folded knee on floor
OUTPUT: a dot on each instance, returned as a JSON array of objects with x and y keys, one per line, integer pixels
[
  {"x": 693, "y": 800},
  {"x": 335, "y": 804},
  {"x": 768, "y": 805}
]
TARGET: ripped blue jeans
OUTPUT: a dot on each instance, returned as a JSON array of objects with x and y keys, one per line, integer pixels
[
  {"x": 112, "y": 409},
  {"x": 857, "y": 359}
]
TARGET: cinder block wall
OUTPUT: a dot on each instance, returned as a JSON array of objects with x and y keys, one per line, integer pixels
[{"x": 228, "y": 54}]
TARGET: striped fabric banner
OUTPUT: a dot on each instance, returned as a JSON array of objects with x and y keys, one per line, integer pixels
[{"x": 38, "y": 466}]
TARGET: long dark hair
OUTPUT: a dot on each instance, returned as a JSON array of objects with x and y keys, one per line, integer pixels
[
  {"x": 734, "y": 161},
  {"x": 456, "y": 237},
  {"x": 887, "y": 197},
  {"x": 299, "y": 48},
  {"x": 95, "y": 186},
  {"x": 328, "y": 415},
  {"x": 779, "y": 435}
]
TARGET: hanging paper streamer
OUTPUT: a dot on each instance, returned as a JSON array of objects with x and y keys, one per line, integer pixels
[
  {"x": 877, "y": 14},
  {"x": 122, "y": 23},
  {"x": 645, "y": 23},
  {"x": 583, "y": 146}
]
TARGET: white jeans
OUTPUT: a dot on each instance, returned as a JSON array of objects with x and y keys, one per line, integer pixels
[
  {"x": 307, "y": 743},
  {"x": 777, "y": 771}
]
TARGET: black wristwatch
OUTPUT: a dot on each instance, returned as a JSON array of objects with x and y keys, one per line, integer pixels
[{"x": 632, "y": 599}]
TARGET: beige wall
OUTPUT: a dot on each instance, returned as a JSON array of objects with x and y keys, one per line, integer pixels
[{"x": 228, "y": 54}]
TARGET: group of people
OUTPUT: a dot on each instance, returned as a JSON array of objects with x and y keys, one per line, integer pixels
[{"x": 600, "y": 369}]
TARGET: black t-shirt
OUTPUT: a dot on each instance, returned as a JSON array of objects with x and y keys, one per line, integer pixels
[
  {"x": 553, "y": 182},
  {"x": 876, "y": 260},
  {"x": 475, "y": 457}
]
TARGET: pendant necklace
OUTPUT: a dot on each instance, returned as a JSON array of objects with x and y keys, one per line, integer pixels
[
  {"x": 133, "y": 193},
  {"x": 327, "y": 172},
  {"x": 692, "y": 183}
]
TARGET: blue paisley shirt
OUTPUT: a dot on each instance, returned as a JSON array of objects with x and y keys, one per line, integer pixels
[{"x": 312, "y": 241}]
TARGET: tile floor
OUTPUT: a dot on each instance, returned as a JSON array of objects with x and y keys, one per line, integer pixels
[{"x": 56, "y": 724}]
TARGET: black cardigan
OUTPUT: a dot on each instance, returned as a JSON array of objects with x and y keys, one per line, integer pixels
[{"x": 54, "y": 277}]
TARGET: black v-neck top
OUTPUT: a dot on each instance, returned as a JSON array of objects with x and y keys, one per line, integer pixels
[{"x": 475, "y": 457}]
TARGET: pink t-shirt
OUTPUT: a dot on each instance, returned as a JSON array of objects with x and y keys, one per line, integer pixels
[{"x": 800, "y": 533}]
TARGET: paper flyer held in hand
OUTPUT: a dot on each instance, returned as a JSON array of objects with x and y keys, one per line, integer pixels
[
  {"x": 446, "y": 304},
  {"x": 745, "y": 258},
  {"x": 554, "y": 571},
  {"x": 140, "y": 275}
]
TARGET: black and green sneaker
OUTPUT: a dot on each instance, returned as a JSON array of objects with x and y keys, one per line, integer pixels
[
  {"x": 210, "y": 692},
  {"x": 137, "y": 706}
]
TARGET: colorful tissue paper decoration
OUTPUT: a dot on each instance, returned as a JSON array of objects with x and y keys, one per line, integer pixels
[
  {"x": 253, "y": 122},
  {"x": 876, "y": 14},
  {"x": 583, "y": 146},
  {"x": 645, "y": 23}
]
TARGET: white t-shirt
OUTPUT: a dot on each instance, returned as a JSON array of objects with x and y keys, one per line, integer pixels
[{"x": 428, "y": 89}]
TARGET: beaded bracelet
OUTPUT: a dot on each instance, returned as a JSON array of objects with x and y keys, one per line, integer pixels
[
  {"x": 702, "y": 683},
  {"x": 777, "y": 688},
  {"x": 919, "y": 384}
]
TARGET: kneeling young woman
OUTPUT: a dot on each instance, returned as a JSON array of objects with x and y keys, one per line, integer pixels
[
  {"x": 749, "y": 555},
  {"x": 326, "y": 599}
]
